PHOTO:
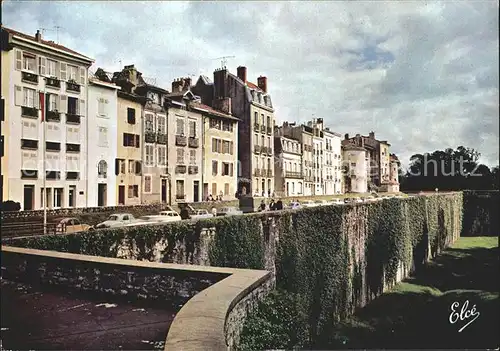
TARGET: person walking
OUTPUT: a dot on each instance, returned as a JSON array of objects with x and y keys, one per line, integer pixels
[
  {"x": 272, "y": 205},
  {"x": 279, "y": 205}
]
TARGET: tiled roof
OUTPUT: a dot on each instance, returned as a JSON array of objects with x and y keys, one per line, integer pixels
[
  {"x": 253, "y": 86},
  {"x": 45, "y": 42}
]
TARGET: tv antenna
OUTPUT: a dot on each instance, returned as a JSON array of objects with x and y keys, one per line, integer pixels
[
  {"x": 54, "y": 29},
  {"x": 223, "y": 59}
]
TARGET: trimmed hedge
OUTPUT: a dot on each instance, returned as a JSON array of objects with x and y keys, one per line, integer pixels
[{"x": 333, "y": 258}]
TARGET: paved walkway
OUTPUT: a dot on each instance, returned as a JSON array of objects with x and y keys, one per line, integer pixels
[{"x": 51, "y": 320}]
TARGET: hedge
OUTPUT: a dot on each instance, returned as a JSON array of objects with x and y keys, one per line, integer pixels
[{"x": 334, "y": 259}]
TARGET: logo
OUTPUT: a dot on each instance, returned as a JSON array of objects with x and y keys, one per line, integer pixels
[{"x": 464, "y": 315}]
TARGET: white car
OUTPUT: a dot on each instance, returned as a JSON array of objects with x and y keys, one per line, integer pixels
[
  {"x": 337, "y": 202},
  {"x": 200, "y": 214},
  {"x": 325, "y": 203},
  {"x": 357, "y": 200},
  {"x": 117, "y": 220},
  {"x": 229, "y": 211},
  {"x": 309, "y": 203}
]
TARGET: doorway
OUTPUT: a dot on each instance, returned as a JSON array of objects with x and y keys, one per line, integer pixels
[
  {"x": 121, "y": 195},
  {"x": 71, "y": 196},
  {"x": 163, "y": 190},
  {"x": 205, "y": 191},
  {"x": 196, "y": 191},
  {"x": 102, "y": 194},
  {"x": 28, "y": 197}
]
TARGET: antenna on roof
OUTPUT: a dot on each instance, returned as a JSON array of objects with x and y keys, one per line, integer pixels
[
  {"x": 223, "y": 59},
  {"x": 54, "y": 29}
]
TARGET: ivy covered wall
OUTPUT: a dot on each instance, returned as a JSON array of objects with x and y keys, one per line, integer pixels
[{"x": 332, "y": 258}]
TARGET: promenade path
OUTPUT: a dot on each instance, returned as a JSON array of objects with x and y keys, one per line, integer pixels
[{"x": 416, "y": 313}]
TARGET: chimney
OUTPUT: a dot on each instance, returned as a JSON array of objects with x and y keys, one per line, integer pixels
[
  {"x": 242, "y": 73},
  {"x": 181, "y": 84},
  {"x": 372, "y": 135},
  {"x": 38, "y": 36},
  {"x": 262, "y": 83}
]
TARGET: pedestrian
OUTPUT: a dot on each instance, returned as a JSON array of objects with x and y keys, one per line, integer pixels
[
  {"x": 279, "y": 205},
  {"x": 272, "y": 205},
  {"x": 184, "y": 213},
  {"x": 262, "y": 206},
  {"x": 214, "y": 211}
]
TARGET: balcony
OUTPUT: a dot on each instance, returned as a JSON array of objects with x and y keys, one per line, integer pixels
[
  {"x": 269, "y": 173},
  {"x": 72, "y": 86},
  {"x": 180, "y": 197},
  {"x": 193, "y": 170},
  {"x": 256, "y": 127},
  {"x": 256, "y": 149},
  {"x": 180, "y": 169},
  {"x": 72, "y": 147},
  {"x": 269, "y": 130},
  {"x": 150, "y": 137},
  {"x": 256, "y": 172},
  {"x": 73, "y": 119},
  {"x": 161, "y": 138},
  {"x": 72, "y": 176},
  {"x": 308, "y": 179},
  {"x": 51, "y": 146},
  {"x": 54, "y": 116},
  {"x": 194, "y": 142},
  {"x": 53, "y": 83},
  {"x": 53, "y": 175},
  {"x": 263, "y": 172},
  {"x": 31, "y": 112},
  {"x": 296, "y": 175},
  {"x": 180, "y": 140},
  {"x": 263, "y": 128},
  {"x": 29, "y": 78},
  {"x": 29, "y": 144},
  {"x": 29, "y": 174}
]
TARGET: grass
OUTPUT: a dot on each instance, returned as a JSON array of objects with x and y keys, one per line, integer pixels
[{"x": 415, "y": 314}]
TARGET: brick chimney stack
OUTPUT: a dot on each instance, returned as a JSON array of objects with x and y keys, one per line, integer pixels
[
  {"x": 181, "y": 84},
  {"x": 242, "y": 73},
  {"x": 38, "y": 36},
  {"x": 372, "y": 135},
  {"x": 262, "y": 83}
]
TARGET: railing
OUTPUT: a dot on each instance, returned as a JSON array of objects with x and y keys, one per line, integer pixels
[
  {"x": 194, "y": 142},
  {"x": 29, "y": 77},
  {"x": 53, "y": 82},
  {"x": 180, "y": 140},
  {"x": 180, "y": 197},
  {"x": 29, "y": 111},
  {"x": 263, "y": 128},
  {"x": 72, "y": 175},
  {"x": 72, "y": 147},
  {"x": 29, "y": 144},
  {"x": 289, "y": 174},
  {"x": 161, "y": 138},
  {"x": 26, "y": 229},
  {"x": 193, "y": 170},
  {"x": 72, "y": 86},
  {"x": 256, "y": 149},
  {"x": 256, "y": 172},
  {"x": 73, "y": 119},
  {"x": 256, "y": 127},
  {"x": 29, "y": 174},
  {"x": 269, "y": 130},
  {"x": 180, "y": 169},
  {"x": 269, "y": 173},
  {"x": 150, "y": 137},
  {"x": 54, "y": 116}
]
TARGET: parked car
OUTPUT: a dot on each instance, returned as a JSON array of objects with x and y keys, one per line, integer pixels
[
  {"x": 337, "y": 202},
  {"x": 309, "y": 203},
  {"x": 202, "y": 213},
  {"x": 325, "y": 203},
  {"x": 357, "y": 200},
  {"x": 168, "y": 216},
  {"x": 229, "y": 211},
  {"x": 142, "y": 221},
  {"x": 71, "y": 225},
  {"x": 117, "y": 220},
  {"x": 294, "y": 205}
]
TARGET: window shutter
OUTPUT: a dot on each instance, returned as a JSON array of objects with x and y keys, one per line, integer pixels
[
  {"x": 117, "y": 166},
  {"x": 124, "y": 139},
  {"x": 43, "y": 63},
  {"x": 63, "y": 71},
  {"x": 231, "y": 169},
  {"x": 82, "y": 108},
  {"x": 58, "y": 69},
  {"x": 231, "y": 148},
  {"x": 18, "y": 95},
  {"x": 19, "y": 59},
  {"x": 36, "y": 100},
  {"x": 138, "y": 167},
  {"x": 137, "y": 141},
  {"x": 63, "y": 104},
  {"x": 82, "y": 75}
]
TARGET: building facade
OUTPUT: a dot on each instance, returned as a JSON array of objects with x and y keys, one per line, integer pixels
[
  {"x": 355, "y": 164},
  {"x": 333, "y": 162},
  {"x": 252, "y": 105},
  {"x": 102, "y": 124},
  {"x": 4, "y": 113},
  {"x": 184, "y": 155},
  {"x": 39, "y": 66},
  {"x": 289, "y": 178}
]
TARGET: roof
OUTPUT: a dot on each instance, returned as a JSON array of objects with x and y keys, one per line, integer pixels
[
  {"x": 353, "y": 147},
  {"x": 253, "y": 86},
  {"x": 45, "y": 42},
  {"x": 212, "y": 111}
]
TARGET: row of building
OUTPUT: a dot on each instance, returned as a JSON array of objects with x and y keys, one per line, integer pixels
[{"x": 106, "y": 139}]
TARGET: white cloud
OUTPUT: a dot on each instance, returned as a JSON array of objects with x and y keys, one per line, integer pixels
[{"x": 422, "y": 75}]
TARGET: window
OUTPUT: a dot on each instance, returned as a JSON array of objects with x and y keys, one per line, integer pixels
[
  {"x": 149, "y": 155},
  {"x": 162, "y": 156},
  {"x": 226, "y": 189},
  {"x": 149, "y": 123},
  {"x": 256, "y": 139},
  {"x": 180, "y": 126},
  {"x": 29, "y": 97},
  {"x": 225, "y": 146},
  {"x": 225, "y": 168},
  {"x": 269, "y": 142},
  {"x": 102, "y": 169},
  {"x": 192, "y": 129},
  {"x": 131, "y": 167},
  {"x": 52, "y": 105},
  {"x": 101, "y": 107},
  {"x": 103, "y": 137},
  {"x": 147, "y": 184},
  {"x": 29, "y": 63},
  {"x": 72, "y": 73},
  {"x": 133, "y": 191},
  {"x": 58, "y": 196},
  {"x": 161, "y": 125},
  {"x": 180, "y": 156},
  {"x": 179, "y": 187},
  {"x": 262, "y": 118},
  {"x": 72, "y": 106},
  {"x": 131, "y": 140},
  {"x": 269, "y": 121},
  {"x": 262, "y": 140},
  {"x": 216, "y": 145},
  {"x": 227, "y": 126},
  {"x": 256, "y": 117},
  {"x": 130, "y": 115},
  {"x": 51, "y": 68},
  {"x": 215, "y": 124},
  {"x": 192, "y": 157},
  {"x": 215, "y": 167}
]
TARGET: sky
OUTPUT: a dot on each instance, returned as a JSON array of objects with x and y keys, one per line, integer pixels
[{"x": 422, "y": 75}]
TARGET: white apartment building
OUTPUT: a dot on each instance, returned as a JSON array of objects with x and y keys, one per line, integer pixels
[
  {"x": 356, "y": 165},
  {"x": 332, "y": 162},
  {"x": 102, "y": 150},
  {"x": 318, "y": 171},
  {"x": 35, "y": 66},
  {"x": 289, "y": 176}
]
